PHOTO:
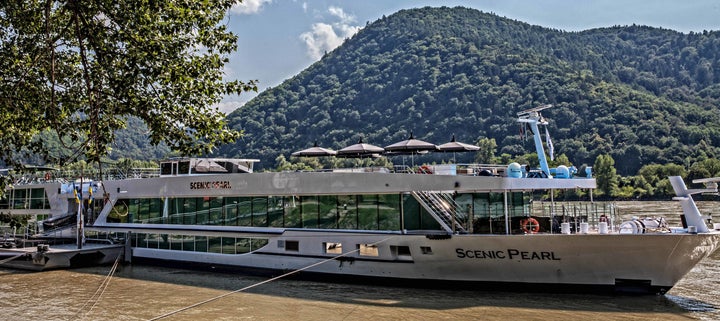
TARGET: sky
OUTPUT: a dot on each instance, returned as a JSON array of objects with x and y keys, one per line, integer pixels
[{"x": 277, "y": 39}]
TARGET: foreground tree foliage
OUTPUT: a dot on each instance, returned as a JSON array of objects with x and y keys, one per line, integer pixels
[{"x": 73, "y": 71}]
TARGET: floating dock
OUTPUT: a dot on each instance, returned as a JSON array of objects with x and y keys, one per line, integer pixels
[{"x": 46, "y": 257}]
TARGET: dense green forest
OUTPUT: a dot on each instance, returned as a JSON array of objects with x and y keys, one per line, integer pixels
[
  {"x": 641, "y": 95},
  {"x": 130, "y": 143}
]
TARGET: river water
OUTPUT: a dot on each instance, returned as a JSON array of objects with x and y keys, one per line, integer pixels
[{"x": 138, "y": 292}]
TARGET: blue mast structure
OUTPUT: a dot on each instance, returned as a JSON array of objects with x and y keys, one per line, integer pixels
[{"x": 533, "y": 118}]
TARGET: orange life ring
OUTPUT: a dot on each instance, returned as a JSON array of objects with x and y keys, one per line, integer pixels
[
  {"x": 530, "y": 225},
  {"x": 47, "y": 176}
]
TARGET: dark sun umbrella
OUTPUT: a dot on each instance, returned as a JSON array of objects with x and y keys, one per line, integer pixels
[
  {"x": 455, "y": 146},
  {"x": 410, "y": 146},
  {"x": 314, "y": 151},
  {"x": 360, "y": 150}
]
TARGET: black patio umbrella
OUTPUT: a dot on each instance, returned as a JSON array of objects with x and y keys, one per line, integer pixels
[
  {"x": 314, "y": 151},
  {"x": 410, "y": 146},
  {"x": 360, "y": 150},
  {"x": 455, "y": 146}
]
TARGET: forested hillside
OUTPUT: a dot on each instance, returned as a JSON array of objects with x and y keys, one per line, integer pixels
[
  {"x": 130, "y": 143},
  {"x": 641, "y": 94}
]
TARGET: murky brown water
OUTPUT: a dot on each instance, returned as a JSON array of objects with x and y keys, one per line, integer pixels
[{"x": 145, "y": 292}]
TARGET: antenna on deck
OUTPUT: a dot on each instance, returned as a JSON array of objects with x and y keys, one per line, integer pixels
[
  {"x": 684, "y": 195},
  {"x": 531, "y": 111},
  {"x": 533, "y": 118},
  {"x": 711, "y": 186}
]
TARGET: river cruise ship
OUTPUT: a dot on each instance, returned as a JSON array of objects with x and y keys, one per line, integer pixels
[{"x": 446, "y": 225}]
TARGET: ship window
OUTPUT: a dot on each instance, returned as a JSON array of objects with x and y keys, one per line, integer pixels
[
  {"x": 309, "y": 208},
  {"x": 215, "y": 212},
  {"x": 215, "y": 244},
  {"x": 333, "y": 248},
  {"x": 328, "y": 212},
  {"x": 165, "y": 168},
  {"x": 368, "y": 250},
  {"x": 19, "y": 196},
  {"x": 257, "y": 243},
  {"x": 426, "y": 250},
  {"x": 152, "y": 241},
  {"x": 347, "y": 212},
  {"x": 368, "y": 212},
  {"x": 4, "y": 203},
  {"x": 201, "y": 244},
  {"x": 163, "y": 242},
  {"x": 188, "y": 242},
  {"x": 292, "y": 246},
  {"x": 259, "y": 211},
  {"x": 275, "y": 211},
  {"x": 293, "y": 217},
  {"x": 389, "y": 211},
  {"x": 400, "y": 250},
  {"x": 37, "y": 198},
  {"x": 184, "y": 167},
  {"x": 228, "y": 245},
  {"x": 243, "y": 245}
]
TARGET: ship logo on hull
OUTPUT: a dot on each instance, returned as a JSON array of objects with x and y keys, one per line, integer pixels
[
  {"x": 211, "y": 185},
  {"x": 509, "y": 254}
]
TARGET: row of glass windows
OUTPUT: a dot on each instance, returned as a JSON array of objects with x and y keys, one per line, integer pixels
[
  {"x": 196, "y": 243},
  {"x": 364, "y": 212},
  {"x": 239, "y": 245},
  {"x": 371, "y": 212},
  {"x": 23, "y": 199}
]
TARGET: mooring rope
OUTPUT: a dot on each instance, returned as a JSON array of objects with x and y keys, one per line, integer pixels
[
  {"x": 95, "y": 298},
  {"x": 260, "y": 283}
]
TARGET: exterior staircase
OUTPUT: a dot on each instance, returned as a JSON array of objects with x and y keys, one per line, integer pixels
[{"x": 443, "y": 208}]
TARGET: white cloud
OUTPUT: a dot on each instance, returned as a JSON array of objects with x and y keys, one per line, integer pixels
[
  {"x": 228, "y": 106},
  {"x": 325, "y": 37},
  {"x": 249, "y": 6},
  {"x": 344, "y": 17}
]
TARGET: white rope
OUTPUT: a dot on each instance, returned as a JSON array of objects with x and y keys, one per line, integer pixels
[
  {"x": 95, "y": 298},
  {"x": 260, "y": 283}
]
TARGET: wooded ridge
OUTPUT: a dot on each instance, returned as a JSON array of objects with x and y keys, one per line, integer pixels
[{"x": 643, "y": 95}]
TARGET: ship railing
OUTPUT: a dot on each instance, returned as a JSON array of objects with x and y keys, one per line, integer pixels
[
  {"x": 403, "y": 169},
  {"x": 65, "y": 176},
  {"x": 470, "y": 169},
  {"x": 549, "y": 217},
  {"x": 374, "y": 169},
  {"x": 443, "y": 208},
  {"x": 58, "y": 231},
  {"x": 578, "y": 212}
]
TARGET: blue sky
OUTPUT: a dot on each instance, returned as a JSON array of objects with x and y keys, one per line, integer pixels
[{"x": 280, "y": 38}]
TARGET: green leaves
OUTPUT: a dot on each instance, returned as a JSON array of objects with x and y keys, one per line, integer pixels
[{"x": 80, "y": 68}]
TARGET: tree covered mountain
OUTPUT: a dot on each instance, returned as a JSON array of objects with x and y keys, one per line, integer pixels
[{"x": 643, "y": 95}]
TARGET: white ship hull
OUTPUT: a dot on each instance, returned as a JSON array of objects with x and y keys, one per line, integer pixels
[{"x": 542, "y": 262}]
